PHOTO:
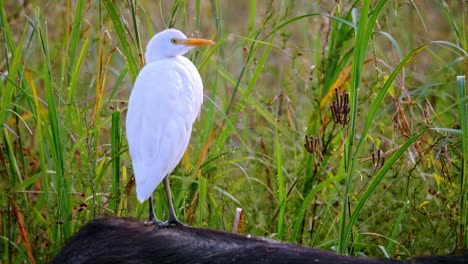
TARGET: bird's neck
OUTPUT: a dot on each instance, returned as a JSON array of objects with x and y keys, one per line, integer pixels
[{"x": 149, "y": 59}]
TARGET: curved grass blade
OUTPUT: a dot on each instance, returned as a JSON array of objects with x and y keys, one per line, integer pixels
[
  {"x": 307, "y": 200},
  {"x": 363, "y": 35},
  {"x": 120, "y": 30},
  {"x": 462, "y": 90},
  {"x": 75, "y": 33},
  {"x": 376, "y": 180},
  {"x": 371, "y": 113},
  {"x": 55, "y": 134},
  {"x": 115, "y": 149},
  {"x": 281, "y": 187}
]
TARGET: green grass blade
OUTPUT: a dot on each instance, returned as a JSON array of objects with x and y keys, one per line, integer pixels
[
  {"x": 373, "y": 109},
  {"x": 76, "y": 73},
  {"x": 202, "y": 182},
  {"x": 116, "y": 87},
  {"x": 177, "y": 10},
  {"x": 133, "y": 7},
  {"x": 377, "y": 179},
  {"x": 363, "y": 35},
  {"x": 6, "y": 31},
  {"x": 462, "y": 90},
  {"x": 120, "y": 30},
  {"x": 55, "y": 137},
  {"x": 115, "y": 150},
  {"x": 281, "y": 188},
  {"x": 8, "y": 90},
  {"x": 255, "y": 104},
  {"x": 13, "y": 170},
  {"x": 75, "y": 33},
  {"x": 17, "y": 248},
  {"x": 197, "y": 15},
  {"x": 306, "y": 203},
  {"x": 252, "y": 14},
  {"x": 396, "y": 228},
  {"x": 375, "y": 106}
]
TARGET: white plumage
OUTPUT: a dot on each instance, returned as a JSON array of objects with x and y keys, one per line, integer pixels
[{"x": 164, "y": 103}]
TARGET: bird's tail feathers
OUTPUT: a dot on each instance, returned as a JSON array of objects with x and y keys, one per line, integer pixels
[{"x": 147, "y": 177}]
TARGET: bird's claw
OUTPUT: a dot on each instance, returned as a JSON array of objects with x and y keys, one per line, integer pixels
[
  {"x": 154, "y": 222},
  {"x": 168, "y": 223}
]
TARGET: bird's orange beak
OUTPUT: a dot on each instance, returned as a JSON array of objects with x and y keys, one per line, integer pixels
[{"x": 197, "y": 42}]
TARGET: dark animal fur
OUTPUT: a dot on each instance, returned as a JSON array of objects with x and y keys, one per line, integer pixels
[{"x": 114, "y": 240}]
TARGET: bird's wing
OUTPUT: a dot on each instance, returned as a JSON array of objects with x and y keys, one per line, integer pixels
[{"x": 160, "y": 115}]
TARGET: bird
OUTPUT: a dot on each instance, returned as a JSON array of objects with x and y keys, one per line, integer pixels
[{"x": 164, "y": 103}]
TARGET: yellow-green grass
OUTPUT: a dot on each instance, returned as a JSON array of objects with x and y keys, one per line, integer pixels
[{"x": 68, "y": 67}]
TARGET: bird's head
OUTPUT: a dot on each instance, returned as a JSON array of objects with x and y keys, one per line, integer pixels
[{"x": 171, "y": 43}]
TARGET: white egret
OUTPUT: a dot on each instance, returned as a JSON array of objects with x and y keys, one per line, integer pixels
[{"x": 163, "y": 105}]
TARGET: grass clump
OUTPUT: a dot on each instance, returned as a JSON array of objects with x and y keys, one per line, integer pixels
[{"x": 340, "y": 126}]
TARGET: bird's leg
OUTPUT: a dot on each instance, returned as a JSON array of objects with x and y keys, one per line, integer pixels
[
  {"x": 172, "y": 214},
  {"x": 152, "y": 217}
]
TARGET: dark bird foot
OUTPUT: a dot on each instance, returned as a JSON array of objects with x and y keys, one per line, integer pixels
[
  {"x": 170, "y": 222},
  {"x": 154, "y": 222}
]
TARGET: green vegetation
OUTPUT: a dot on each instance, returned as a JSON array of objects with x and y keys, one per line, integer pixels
[{"x": 372, "y": 84}]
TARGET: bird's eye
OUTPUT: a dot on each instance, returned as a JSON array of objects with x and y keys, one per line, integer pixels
[{"x": 174, "y": 41}]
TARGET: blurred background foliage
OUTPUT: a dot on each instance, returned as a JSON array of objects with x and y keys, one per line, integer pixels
[{"x": 67, "y": 68}]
